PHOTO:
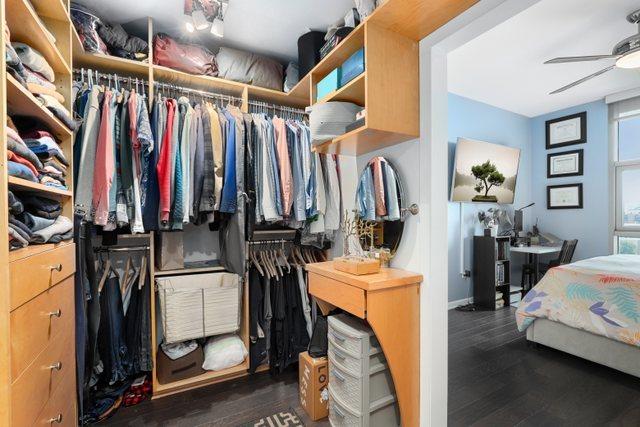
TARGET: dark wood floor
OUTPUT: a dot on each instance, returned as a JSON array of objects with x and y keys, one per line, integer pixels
[{"x": 496, "y": 379}]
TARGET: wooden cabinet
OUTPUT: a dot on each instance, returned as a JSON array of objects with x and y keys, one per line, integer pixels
[
  {"x": 392, "y": 308},
  {"x": 37, "y": 328}
]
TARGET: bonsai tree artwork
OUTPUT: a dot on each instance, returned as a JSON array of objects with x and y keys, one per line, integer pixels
[{"x": 487, "y": 177}]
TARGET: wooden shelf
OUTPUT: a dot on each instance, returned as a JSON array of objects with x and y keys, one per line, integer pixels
[
  {"x": 26, "y": 27},
  {"x": 208, "y": 378},
  {"x": 340, "y": 53},
  {"x": 22, "y": 102},
  {"x": 416, "y": 19},
  {"x": 354, "y": 91},
  {"x": 227, "y": 87},
  {"x": 33, "y": 249},
  {"x": 54, "y": 9},
  {"x": 302, "y": 90},
  {"x": 291, "y": 99},
  {"x": 361, "y": 141},
  {"x": 111, "y": 64},
  {"x": 76, "y": 44},
  {"x": 26, "y": 185}
]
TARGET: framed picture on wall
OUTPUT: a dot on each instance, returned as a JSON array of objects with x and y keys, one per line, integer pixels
[
  {"x": 568, "y": 130},
  {"x": 566, "y": 163},
  {"x": 567, "y": 196}
]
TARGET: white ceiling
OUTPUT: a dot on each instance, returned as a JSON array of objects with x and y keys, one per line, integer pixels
[
  {"x": 268, "y": 27},
  {"x": 504, "y": 66}
]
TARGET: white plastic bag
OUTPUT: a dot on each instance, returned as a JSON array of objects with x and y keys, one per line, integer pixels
[
  {"x": 223, "y": 352},
  {"x": 365, "y": 7}
]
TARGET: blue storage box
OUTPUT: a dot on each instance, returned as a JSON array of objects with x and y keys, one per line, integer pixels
[
  {"x": 352, "y": 67},
  {"x": 328, "y": 84}
]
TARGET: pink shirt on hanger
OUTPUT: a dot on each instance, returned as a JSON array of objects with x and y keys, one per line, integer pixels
[
  {"x": 286, "y": 176},
  {"x": 104, "y": 166}
]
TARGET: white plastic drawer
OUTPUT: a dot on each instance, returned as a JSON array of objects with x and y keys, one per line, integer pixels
[
  {"x": 347, "y": 387},
  {"x": 340, "y": 415}
]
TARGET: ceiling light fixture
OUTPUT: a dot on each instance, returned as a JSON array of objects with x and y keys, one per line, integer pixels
[
  {"x": 189, "y": 25},
  {"x": 630, "y": 60}
]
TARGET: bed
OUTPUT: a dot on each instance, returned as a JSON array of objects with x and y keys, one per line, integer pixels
[{"x": 590, "y": 309}]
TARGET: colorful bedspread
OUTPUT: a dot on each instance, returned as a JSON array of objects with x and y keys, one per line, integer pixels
[{"x": 600, "y": 295}]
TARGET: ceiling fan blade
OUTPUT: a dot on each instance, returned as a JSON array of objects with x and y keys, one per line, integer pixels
[
  {"x": 564, "y": 59},
  {"x": 582, "y": 80}
]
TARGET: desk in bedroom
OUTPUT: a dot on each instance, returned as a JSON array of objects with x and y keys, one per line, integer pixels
[
  {"x": 390, "y": 302},
  {"x": 532, "y": 252}
]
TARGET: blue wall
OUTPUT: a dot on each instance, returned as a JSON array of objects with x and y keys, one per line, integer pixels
[
  {"x": 591, "y": 224},
  {"x": 476, "y": 120}
]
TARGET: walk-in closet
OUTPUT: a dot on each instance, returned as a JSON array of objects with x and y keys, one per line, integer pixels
[{"x": 191, "y": 236}]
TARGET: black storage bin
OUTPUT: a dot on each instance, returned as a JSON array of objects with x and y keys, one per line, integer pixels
[{"x": 309, "y": 46}]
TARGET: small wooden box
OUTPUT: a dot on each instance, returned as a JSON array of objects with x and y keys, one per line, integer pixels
[{"x": 357, "y": 266}]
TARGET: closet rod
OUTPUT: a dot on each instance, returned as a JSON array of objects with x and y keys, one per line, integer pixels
[
  {"x": 183, "y": 89},
  {"x": 268, "y": 242},
  {"x": 121, "y": 248},
  {"x": 261, "y": 104},
  {"x": 84, "y": 72}
]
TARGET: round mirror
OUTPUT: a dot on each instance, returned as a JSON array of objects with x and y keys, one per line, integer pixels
[{"x": 380, "y": 201}]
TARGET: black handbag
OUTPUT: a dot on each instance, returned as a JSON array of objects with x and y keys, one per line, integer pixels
[{"x": 319, "y": 340}]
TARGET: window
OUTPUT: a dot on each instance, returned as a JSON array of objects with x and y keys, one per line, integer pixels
[{"x": 625, "y": 168}]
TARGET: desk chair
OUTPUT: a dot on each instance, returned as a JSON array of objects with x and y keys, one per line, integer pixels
[{"x": 529, "y": 271}]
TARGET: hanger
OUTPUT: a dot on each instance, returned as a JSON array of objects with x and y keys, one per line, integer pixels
[
  {"x": 143, "y": 272},
  {"x": 254, "y": 261},
  {"x": 127, "y": 269},
  {"x": 105, "y": 275}
]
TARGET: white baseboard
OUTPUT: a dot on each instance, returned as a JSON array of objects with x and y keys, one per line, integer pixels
[{"x": 458, "y": 303}]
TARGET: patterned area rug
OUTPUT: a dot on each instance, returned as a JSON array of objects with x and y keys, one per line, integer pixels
[{"x": 281, "y": 419}]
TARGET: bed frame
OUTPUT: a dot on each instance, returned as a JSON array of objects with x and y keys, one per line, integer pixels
[{"x": 596, "y": 348}]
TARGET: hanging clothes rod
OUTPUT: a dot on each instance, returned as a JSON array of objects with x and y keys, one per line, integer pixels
[
  {"x": 86, "y": 72},
  {"x": 121, "y": 248},
  {"x": 182, "y": 89},
  {"x": 270, "y": 242},
  {"x": 266, "y": 105}
]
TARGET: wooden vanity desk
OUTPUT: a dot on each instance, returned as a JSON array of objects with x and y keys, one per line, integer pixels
[{"x": 390, "y": 302}]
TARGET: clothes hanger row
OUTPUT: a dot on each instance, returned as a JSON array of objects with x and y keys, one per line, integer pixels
[
  {"x": 175, "y": 91},
  {"x": 285, "y": 111},
  {"x": 271, "y": 259},
  {"x": 90, "y": 77},
  {"x": 108, "y": 265}
]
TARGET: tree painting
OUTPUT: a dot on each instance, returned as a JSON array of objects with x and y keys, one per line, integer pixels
[{"x": 487, "y": 176}]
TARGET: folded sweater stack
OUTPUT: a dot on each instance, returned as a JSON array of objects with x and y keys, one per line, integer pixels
[
  {"x": 37, "y": 157},
  {"x": 36, "y": 220},
  {"x": 31, "y": 69}
]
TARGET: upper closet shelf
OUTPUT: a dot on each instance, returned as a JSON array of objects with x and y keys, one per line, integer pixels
[
  {"x": 54, "y": 9},
  {"x": 26, "y": 27},
  {"x": 20, "y": 101}
]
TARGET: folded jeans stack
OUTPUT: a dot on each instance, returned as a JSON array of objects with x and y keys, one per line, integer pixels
[{"x": 36, "y": 220}]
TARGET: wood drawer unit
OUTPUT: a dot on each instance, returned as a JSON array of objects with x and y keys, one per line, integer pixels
[
  {"x": 60, "y": 410},
  {"x": 33, "y": 275},
  {"x": 349, "y": 298},
  {"x": 37, "y": 323},
  {"x": 35, "y": 387}
]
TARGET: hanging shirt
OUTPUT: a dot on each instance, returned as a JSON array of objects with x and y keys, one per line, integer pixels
[
  {"x": 378, "y": 185},
  {"x": 320, "y": 203},
  {"x": 185, "y": 156},
  {"x": 365, "y": 196},
  {"x": 197, "y": 164},
  {"x": 332, "y": 186},
  {"x": 286, "y": 178},
  {"x": 391, "y": 191},
  {"x": 104, "y": 166},
  {"x": 229, "y": 186},
  {"x": 207, "y": 198},
  {"x": 164, "y": 165},
  {"x": 177, "y": 199}
]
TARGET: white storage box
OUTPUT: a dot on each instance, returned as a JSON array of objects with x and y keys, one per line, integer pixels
[
  {"x": 199, "y": 305},
  {"x": 328, "y": 120}
]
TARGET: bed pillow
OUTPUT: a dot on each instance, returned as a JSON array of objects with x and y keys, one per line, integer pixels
[{"x": 246, "y": 67}]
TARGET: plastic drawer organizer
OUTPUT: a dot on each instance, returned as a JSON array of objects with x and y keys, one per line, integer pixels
[
  {"x": 361, "y": 389},
  {"x": 199, "y": 305}
]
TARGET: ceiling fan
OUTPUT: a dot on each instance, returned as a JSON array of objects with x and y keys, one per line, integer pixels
[{"x": 626, "y": 53}]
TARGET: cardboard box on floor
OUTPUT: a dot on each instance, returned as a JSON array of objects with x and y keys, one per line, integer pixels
[{"x": 313, "y": 382}]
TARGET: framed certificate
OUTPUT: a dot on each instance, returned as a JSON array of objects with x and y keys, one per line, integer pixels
[
  {"x": 568, "y": 196},
  {"x": 566, "y": 163},
  {"x": 568, "y": 130}
]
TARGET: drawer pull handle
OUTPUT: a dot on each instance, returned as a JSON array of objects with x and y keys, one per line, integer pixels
[
  {"x": 339, "y": 355},
  {"x": 57, "y": 419},
  {"x": 57, "y": 268},
  {"x": 56, "y": 313},
  {"x": 338, "y": 336},
  {"x": 338, "y": 375},
  {"x": 56, "y": 366}
]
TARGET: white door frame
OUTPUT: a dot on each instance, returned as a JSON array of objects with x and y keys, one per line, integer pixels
[{"x": 432, "y": 228}]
